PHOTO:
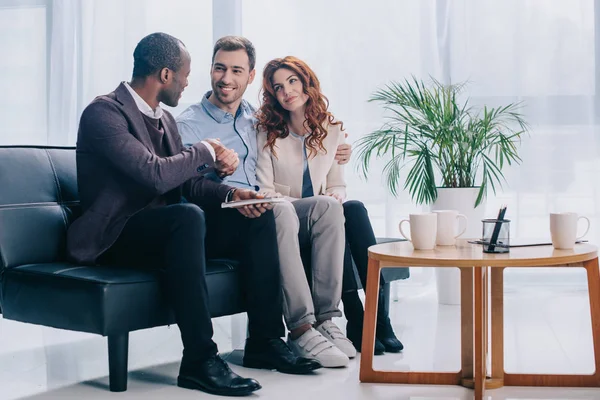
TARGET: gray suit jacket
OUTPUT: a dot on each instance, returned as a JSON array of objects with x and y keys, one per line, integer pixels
[{"x": 118, "y": 174}]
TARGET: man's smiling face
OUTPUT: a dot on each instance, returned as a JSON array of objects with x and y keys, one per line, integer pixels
[{"x": 230, "y": 75}]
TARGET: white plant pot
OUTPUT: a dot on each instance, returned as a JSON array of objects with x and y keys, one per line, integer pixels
[{"x": 462, "y": 200}]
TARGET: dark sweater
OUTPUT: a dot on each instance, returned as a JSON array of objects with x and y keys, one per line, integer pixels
[{"x": 159, "y": 145}]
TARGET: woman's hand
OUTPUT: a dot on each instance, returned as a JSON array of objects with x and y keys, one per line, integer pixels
[{"x": 336, "y": 196}]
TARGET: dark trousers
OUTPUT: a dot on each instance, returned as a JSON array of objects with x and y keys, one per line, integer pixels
[
  {"x": 252, "y": 241},
  {"x": 359, "y": 237},
  {"x": 171, "y": 239}
]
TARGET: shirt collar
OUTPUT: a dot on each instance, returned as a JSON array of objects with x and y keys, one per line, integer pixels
[
  {"x": 216, "y": 113},
  {"x": 298, "y": 136},
  {"x": 142, "y": 105}
]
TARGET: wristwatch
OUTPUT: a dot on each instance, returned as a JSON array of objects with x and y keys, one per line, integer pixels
[{"x": 229, "y": 195}]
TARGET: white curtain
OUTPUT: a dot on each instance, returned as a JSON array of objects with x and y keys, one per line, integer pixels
[
  {"x": 543, "y": 53},
  {"x": 23, "y": 66},
  {"x": 64, "y": 91},
  {"x": 59, "y": 55}
]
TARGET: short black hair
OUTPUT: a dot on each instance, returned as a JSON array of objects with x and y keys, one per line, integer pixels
[
  {"x": 233, "y": 43},
  {"x": 155, "y": 52}
]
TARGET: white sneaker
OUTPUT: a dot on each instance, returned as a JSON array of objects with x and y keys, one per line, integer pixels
[
  {"x": 313, "y": 345},
  {"x": 337, "y": 337}
]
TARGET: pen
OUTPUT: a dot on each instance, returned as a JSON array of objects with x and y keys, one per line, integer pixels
[{"x": 497, "y": 227}]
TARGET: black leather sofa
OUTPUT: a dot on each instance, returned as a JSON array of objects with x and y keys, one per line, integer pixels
[{"x": 38, "y": 201}]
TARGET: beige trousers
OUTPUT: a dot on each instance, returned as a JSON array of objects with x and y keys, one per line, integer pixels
[{"x": 317, "y": 223}]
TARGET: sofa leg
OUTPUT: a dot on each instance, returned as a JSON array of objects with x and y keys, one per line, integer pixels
[{"x": 118, "y": 350}]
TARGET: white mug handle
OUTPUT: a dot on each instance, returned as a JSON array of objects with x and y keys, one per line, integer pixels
[
  {"x": 459, "y": 216},
  {"x": 588, "y": 226},
  {"x": 402, "y": 232}
]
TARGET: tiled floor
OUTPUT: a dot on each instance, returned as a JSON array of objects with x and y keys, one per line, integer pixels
[{"x": 547, "y": 329}]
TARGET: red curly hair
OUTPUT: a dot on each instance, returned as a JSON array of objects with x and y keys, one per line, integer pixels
[{"x": 273, "y": 118}]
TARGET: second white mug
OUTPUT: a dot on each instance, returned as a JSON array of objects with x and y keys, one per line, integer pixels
[
  {"x": 423, "y": 228},
  {"x": 448, "y": 222}
]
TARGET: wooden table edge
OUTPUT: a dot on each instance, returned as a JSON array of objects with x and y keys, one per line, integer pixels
[{"x": 412, "y": 261}]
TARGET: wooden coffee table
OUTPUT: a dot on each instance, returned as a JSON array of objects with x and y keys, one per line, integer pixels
[{"x": 475, "y": 267}]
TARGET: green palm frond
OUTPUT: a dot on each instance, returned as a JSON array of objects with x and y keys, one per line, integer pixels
[{"x": 436, "y": 137}]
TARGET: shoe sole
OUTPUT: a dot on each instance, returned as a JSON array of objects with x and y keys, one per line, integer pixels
[
  {"x": 327, "y": 362},
  {"x": 262, "y": 364},
  {"x": 393, "y": 350},
  {"x": 333, "y": 365},
  {"x": 190, "y": 383}
]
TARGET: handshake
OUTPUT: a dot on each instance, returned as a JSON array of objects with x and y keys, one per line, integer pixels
[{"x": 226, "y": 160}]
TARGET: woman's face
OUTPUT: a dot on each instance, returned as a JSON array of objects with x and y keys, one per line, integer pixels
[{"x": 289, "y": 90}]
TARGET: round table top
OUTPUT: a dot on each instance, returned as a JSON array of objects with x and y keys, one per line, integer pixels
[{"x": 465, "y": 254}]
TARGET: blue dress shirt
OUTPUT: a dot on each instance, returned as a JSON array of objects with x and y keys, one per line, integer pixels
[{"x": 204, "y": 120}]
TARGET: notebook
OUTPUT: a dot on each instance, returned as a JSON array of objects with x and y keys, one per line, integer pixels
[{"x": 524, "y": 242}]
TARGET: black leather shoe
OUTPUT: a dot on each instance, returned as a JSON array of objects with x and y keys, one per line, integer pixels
[
  {"x": 385, "y": 334},
  {"x": 275, "y": 354},
  {"x": 354, "y": 334},
  {"x": 214, "y": 376}
]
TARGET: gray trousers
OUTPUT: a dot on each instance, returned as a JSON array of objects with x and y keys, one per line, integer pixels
[{"x": 317, "y": 222}]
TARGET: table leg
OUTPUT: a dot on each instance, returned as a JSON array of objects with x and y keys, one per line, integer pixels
[
  {"x": 367, "y": 374},
  {"x": 480, "y": 292},
  {"x": 486, "y": 305},
  {"x": 497, "y": 278},
  {"x": 466, "y": 322},
  {"x": 593, "y": 277}
]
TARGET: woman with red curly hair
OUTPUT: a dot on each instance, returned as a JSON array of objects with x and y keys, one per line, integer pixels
[{"x": 297, "y": 140}]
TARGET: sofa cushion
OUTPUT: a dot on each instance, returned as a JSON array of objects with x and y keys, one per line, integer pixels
[
  {"x": 38, "y": 200},
  {"x": 105, "y": 300},
  {"x": 32, "y": 234}
]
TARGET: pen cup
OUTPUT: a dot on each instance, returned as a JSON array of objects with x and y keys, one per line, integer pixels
[{"x": 496, "y": 235}]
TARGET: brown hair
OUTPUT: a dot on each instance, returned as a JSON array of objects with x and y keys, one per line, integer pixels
[
  {"x": 233, "y": 43},
  {"x": 273, "y": 119}
]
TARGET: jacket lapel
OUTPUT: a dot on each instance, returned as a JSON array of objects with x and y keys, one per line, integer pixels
[
  {"x": 313, "y": 169},
  {"x": 123, "y": 96},
  {"x": 292, "y": 154}
]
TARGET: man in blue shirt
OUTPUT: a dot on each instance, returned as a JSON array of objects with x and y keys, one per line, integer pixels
[{"x": 223, "y": 114}]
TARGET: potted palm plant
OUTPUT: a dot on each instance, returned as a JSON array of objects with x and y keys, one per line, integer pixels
[{"x": 452, "y": 153}]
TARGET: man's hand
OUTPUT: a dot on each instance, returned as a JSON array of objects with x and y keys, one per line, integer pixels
[
  {"x": 343, "y": 153},
  {"x": 226, "y": 161},
  {"x": 253, "y": 210}
]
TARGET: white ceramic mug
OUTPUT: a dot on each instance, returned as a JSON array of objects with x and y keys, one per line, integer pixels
[
  {"x": 563, "y": 229},
  {"x": 423, "y": 228},
  {"x": 448, "y": 222}
]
